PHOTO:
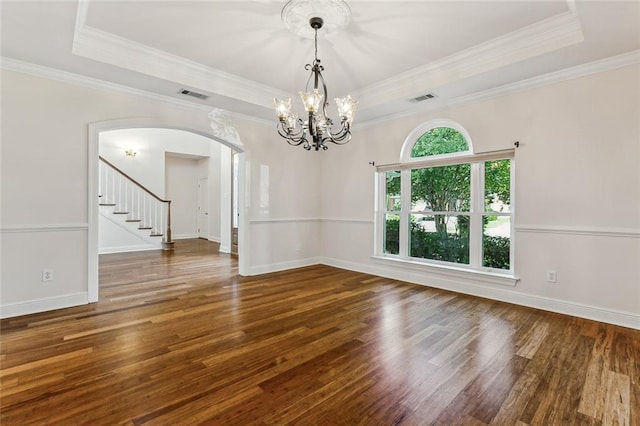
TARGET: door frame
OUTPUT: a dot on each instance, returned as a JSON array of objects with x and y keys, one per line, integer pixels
[
  {"x": 92, "y": 191},
  {"x": 199, "y": 203}
]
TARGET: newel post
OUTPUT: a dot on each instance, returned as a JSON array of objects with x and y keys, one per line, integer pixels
[{"x": 167, "y": 244}]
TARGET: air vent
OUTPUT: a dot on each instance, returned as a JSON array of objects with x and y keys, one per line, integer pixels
[
  {"x": 429, "y": 95},
  {"x": 193, "y": 94}
]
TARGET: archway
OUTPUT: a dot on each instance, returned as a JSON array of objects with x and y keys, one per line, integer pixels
[{"x": 93, "y": 213}]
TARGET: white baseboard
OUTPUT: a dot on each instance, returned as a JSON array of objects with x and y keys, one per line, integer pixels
[
  {"x": 214, "y": 239},
  {"x": 224, "y": 249},
  {"x": 283, "y": 266},
  {"x": 625, "y": 319},
  {"x": 41, "y": 305},
  {"x": 126, "y": 249},
  {"x": 184, "y": 236}
]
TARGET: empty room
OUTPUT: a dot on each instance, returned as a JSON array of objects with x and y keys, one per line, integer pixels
[{"x": 320, "y": 212}]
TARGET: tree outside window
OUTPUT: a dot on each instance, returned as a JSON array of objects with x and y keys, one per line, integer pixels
[{"x": 443, "y": 211}]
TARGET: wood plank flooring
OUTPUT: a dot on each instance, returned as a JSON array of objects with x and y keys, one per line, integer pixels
[{"x": 180, "y": 338}]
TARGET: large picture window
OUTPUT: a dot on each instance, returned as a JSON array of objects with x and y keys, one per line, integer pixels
[{"x": 444, "y": 205}]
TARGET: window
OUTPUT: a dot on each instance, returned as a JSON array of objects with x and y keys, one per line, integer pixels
[{"x": 443, "y": 205}]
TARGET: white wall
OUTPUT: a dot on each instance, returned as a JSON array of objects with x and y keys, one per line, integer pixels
[
  {"x": 577, "y": 194},
  {"x": 150, "y": 146},
  {"x": 44, "y": 200}
]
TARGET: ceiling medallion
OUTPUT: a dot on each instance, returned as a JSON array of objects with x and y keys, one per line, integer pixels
[{"x": 336, "y": 14}]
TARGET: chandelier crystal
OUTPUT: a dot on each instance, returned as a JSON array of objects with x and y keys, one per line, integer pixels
[{"x": 316, "y": 129}]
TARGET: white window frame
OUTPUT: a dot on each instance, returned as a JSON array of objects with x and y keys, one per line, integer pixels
[{"x": 476, "y": 213}]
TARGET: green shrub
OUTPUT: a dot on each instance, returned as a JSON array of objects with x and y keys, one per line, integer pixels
[
  {"x": 445, "y": 246},
  {"x": 496, "y": 252}
]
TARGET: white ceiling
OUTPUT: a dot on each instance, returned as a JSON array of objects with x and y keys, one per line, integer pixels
[{"x": 240, "y": 53}]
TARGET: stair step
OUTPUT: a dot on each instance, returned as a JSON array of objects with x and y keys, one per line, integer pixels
[
  {"x": 120, "y": 212},
  {"x": 156, "y": 235},
  {"x": 108, "y": 204},
  {"x": 134, "y": 220},
  {"x": 145, "y": 227}
]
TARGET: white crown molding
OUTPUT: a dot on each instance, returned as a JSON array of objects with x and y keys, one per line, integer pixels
[
  {"x": 601, "y": 65},
  {"x": 15, "y": 65},
  {"x": 105, "y": 47},
  {"x": 576, "y": 230},
  {"x": 536, "y": 39}
]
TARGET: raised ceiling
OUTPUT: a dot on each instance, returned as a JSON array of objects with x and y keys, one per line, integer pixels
[{"x": 241, "y": 55}]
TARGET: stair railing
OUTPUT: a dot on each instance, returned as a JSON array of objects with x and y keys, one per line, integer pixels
[{"x": 129, "y": 197}]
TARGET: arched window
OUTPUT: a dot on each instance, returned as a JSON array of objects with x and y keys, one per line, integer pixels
[
  {"x": 445, "y": 205},
  {"x": 439, "y": 140}
]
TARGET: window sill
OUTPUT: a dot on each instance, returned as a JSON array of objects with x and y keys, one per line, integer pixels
[{"x": 484, "y": 277}]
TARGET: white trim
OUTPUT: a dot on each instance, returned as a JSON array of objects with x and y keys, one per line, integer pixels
[
  {"x": 502, "y": 294},
  {"x": 15, "y": 65},
  {"x": 95, "y": 44},
  {"x": 27, "y": 307},
  {"x": 416, "y": 133},
  {"x": 45, "y": 227},
  {"x": 451, "y": 271},
  {"x": 283, "y": 266},
  {"x": 346, "y": 220},
  {"x": 285, "y": 220},
  {"x": 184, "y": 236},
  {"x": 576, "y": 230},
  {"x": 309, "y": 219},
  {"x": 213, "y": 239},
  {"x": 578, "y": 71},
  {"x": 127, "y": 249},
  {"x": 545, "y": 36}
]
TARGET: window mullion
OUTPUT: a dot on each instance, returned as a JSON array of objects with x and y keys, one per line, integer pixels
[
  {"x": 477, "y": 209},
  {"x": 405, "y": 208}
]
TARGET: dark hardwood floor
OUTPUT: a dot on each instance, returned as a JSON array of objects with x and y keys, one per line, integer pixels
[{"x": 179, "y": 338}]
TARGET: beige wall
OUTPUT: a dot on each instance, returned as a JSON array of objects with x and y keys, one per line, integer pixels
[
  {"x": 44, "y": 186},
  {"x": 577, "y": 193},
  {"x": 577, "y": 189}
]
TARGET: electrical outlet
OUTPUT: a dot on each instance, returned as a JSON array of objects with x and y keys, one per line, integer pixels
[
  {"x": 47, "y": 275},
  {"x": 551, "y": 276}
]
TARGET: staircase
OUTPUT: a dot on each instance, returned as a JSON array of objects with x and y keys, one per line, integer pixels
[{"x": 133, "y": 204}]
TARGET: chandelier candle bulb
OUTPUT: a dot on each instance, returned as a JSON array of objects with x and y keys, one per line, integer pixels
[
  {"x": 283, "y": 108},
  {"x": 317, "y": 128}
]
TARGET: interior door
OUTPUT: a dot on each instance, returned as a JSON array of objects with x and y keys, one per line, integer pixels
[
  {"x": 203, "y": 208},
  {"x": 235, "y": 213}
]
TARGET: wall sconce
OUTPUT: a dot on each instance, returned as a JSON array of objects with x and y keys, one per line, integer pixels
[{"x": 130, "y": 153}]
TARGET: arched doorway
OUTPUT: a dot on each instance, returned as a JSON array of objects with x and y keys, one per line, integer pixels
[{"x": 95, "y": 130}]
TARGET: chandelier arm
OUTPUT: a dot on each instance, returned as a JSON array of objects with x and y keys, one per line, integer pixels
[
  {"x": 342, "y": 133},
  {"x": 284, "y": 132},
  {"x": 326, "y": 96},
  {"x": 294, "y": 139},
  {"x": 339, "y": 141}
]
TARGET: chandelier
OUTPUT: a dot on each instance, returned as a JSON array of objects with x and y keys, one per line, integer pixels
[{"x": 316, "y": 129}]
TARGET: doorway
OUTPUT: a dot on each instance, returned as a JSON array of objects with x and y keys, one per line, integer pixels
[
  {"x": 93, "y": 191},
  {"x": 235, "y": 213},
  {"x": 203, "y": 208}
]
